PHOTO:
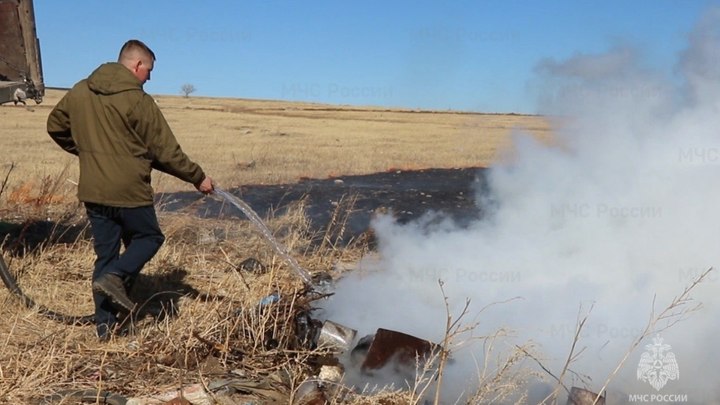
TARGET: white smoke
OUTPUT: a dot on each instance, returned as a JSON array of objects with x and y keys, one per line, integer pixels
[{"x": 621, "y": 212}]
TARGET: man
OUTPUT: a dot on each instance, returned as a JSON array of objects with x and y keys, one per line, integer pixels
[{"x": 119, "y": 135}]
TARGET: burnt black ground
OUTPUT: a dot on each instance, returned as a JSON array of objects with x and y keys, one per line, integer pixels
[{"x": 407, "y": 194}]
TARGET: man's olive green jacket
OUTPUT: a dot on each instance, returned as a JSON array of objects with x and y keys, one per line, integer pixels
[{"x": 119, "y": 135}]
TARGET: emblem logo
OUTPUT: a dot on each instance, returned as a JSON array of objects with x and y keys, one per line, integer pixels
[{"x": 658, "y": 365}]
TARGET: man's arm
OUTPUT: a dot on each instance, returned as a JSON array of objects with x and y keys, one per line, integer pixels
[
  {"x": 167, "y": 155},
  {"x": 58, "y": 126}
]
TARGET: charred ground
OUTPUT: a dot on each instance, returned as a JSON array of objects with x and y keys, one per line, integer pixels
[{"x": 406, "y": 194}]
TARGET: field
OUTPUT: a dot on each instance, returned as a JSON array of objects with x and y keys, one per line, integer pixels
[
  {"x": 285, "y": 141},
  {"x": 201, "y": 324}
]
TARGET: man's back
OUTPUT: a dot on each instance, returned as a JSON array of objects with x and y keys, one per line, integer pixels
[{"x": 119, "y": 134}]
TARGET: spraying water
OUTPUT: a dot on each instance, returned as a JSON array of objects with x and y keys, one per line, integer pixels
[{"x": 260, "y": 225}]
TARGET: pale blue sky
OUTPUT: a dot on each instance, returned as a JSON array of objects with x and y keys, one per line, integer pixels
[{"x": 460, "y": 55}]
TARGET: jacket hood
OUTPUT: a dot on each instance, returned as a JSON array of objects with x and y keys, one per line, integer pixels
[{"x": 111, "y": 78}]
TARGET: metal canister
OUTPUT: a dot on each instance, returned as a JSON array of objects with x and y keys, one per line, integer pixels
[{"x": 335, "y": 336}]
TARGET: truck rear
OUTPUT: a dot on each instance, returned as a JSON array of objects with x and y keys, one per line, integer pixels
[{"x": 20, "y": 64}]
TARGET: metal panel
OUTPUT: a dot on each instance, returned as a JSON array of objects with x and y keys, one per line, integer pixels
[{"x": 19, "y": 47}]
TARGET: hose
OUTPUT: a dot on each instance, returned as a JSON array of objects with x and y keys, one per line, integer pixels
[{"x": 12, "y": 285}]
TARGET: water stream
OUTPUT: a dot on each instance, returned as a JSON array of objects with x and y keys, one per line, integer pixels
[{"x": 260, "y": 225}]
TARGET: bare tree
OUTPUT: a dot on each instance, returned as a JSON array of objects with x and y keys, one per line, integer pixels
[{"x": 187, "y": 89}]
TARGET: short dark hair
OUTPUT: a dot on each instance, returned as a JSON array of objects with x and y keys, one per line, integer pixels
[{"x": 135, "y": 45}]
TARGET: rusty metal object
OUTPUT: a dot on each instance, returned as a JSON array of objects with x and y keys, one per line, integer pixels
[
  {"x": 389, "y": 345},
  {"x": 581, "y": 396}
]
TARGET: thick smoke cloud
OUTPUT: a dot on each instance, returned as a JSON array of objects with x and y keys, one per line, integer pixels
[{"x": 620, "y": 213}]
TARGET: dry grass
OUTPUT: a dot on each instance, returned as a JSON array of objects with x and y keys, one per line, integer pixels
[
  {"x": 267, "y": 142},
  {"x": 218, "y": 329},
  {"x": 205, "y": 321}
]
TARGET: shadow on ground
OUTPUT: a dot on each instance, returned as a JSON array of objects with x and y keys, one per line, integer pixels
[
  {"x": 27, "y": 236},
  {"x": 158, "y": 294}
]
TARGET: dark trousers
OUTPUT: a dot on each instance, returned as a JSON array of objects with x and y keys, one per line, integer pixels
[{"x": 140, "y": 234}]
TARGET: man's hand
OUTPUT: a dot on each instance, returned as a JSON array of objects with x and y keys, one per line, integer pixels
[{"x": 205, "y": 186}]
